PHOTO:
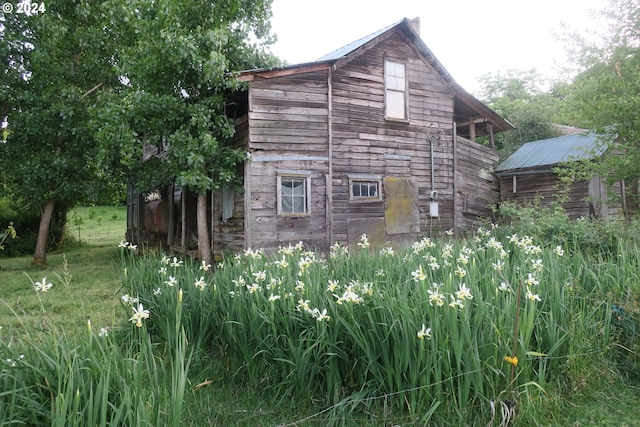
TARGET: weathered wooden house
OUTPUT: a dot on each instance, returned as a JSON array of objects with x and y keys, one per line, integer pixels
[
  {"x": 374, "y": 138},
  {"x": 530, "y": 174}
]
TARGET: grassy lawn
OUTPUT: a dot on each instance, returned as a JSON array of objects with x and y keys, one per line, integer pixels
[{"x": 88, "y": 291}]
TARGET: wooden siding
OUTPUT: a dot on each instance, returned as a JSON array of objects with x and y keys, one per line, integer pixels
[
  {"x": 365, "y": 143},
  {"x": 288, "y": 129},
  {"x": 331, "y": 123},
  {"x": 545, "y": 187},
  {"x": 229, "y": 235},
  {"x": 270, "y": 230},
  {"x": 288, "y": 115},
  {"x": 477, "y": 185}
]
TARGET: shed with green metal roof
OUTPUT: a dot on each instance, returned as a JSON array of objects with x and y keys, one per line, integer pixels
[
  {"x": 543, "y": 155},
  {"x": 530, "y": 174}
]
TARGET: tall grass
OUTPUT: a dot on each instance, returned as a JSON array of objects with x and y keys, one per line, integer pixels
[
  {"x": 114, "y": 376},
  {"x": 475, "y": 331},
  {"x": 440, "y": 331}
]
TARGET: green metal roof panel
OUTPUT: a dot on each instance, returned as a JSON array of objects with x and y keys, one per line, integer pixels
[{"x": 550, "y": 152}]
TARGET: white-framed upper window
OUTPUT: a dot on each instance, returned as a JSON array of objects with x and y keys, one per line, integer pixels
[
  {"x": 365, "y": 187},
  {"x": 293, "y": 188},
  {"x": 395, "y": 90}
]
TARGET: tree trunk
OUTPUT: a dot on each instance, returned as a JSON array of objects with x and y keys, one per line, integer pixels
[
  {"x": 204, "y": 245},
  {"x": 40, "y": 255}
]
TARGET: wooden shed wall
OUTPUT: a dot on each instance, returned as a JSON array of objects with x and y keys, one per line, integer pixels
[
  {"x": 365, "y": 143},
  {"x": 607, "y": 202},
  {"x": 288, "y": 130},
  {"x": 229, "y": 235},
  {"x": 269, "y": 230},
  {"x": 478, "y": 187},
  {"x": 544, "y": 186}
]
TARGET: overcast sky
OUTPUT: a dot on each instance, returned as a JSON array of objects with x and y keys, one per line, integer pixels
[{"x": 470, "y": 37}]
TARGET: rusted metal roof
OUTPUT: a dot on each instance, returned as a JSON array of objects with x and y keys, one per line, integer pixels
[{"x": 544, "y": 154}]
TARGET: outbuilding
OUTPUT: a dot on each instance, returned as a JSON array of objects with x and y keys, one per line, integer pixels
[{"x": 531, "y": 173}]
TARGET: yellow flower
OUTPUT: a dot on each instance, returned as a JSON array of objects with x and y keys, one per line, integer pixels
[
  {"x": 303, "y": 305},
  {"x": 333, "y": 285},
  {"x": 260, "y": 276},
  {"x": 364, "y": 242},
  {"x": 531, "y": 280},
  {"x": 418, "y": 275},
  {"x": 176, "y": 263},
  {"x": 533, "y": 297},
  {"x": 200, "y": 283},
  {"x": 273, "y": 298},
  {"x": 464, "y": 293},
  {"x": 436, "y": 297},
  {"x": 460, "y": 272},
  {"x": 513, "y": 360},
  {"x": 139, "y": 313},
  {"x": 282, "y": 263}
]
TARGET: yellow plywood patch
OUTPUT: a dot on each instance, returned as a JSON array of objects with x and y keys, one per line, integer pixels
[{"x": 402, "y": 213}]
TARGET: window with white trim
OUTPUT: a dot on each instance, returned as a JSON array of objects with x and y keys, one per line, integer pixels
[
  {"x": 293, "y": 188},
  {"x": 365, "y": 187},
  {"x": 395, "y": 90}
]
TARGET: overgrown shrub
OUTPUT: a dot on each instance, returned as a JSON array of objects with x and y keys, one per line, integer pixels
[{"x": 550, "y": 223}]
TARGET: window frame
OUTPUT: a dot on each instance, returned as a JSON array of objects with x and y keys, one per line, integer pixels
[
  {"x": 369, "y": 179},
  {"x": 227, "y": 202},
  {"x": 388, "y": 89},
  {"x": 305, "y": 176}
]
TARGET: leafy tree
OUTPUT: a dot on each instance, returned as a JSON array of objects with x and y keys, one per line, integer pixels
[
  {"x": 177, "y": 70},
  {"x": 605, "y": 95},
  {"x": 55, "y": 62},
  {"x": 518, "y": 96}
]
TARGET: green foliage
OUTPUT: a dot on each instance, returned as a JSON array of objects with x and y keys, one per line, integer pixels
[
  {"x": 92, "y": 379},
  {"x": 56, "y": 62},
  {"x": 10, "y": 231},
  {"x": 250, "y": 358},
  {"x": 551, "y": 224},
  {"x": 50, "y": 153},
  {"x": 179, "y": 60},
  {"x": 519, "y": 97},
  {"x": 27, "y": 220},
  {"x": 106, "y": 378},
  {"x": 364, "y": 333},
  {"x": 604, "y": 96}
]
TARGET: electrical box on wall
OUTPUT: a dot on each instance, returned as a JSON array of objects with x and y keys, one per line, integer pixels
[{"x": 433, "y": 210}]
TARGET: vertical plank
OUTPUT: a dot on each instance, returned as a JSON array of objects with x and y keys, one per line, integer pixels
[
  {"x": 455, "y": 181},
  {"x": 329, "y": 176}
]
